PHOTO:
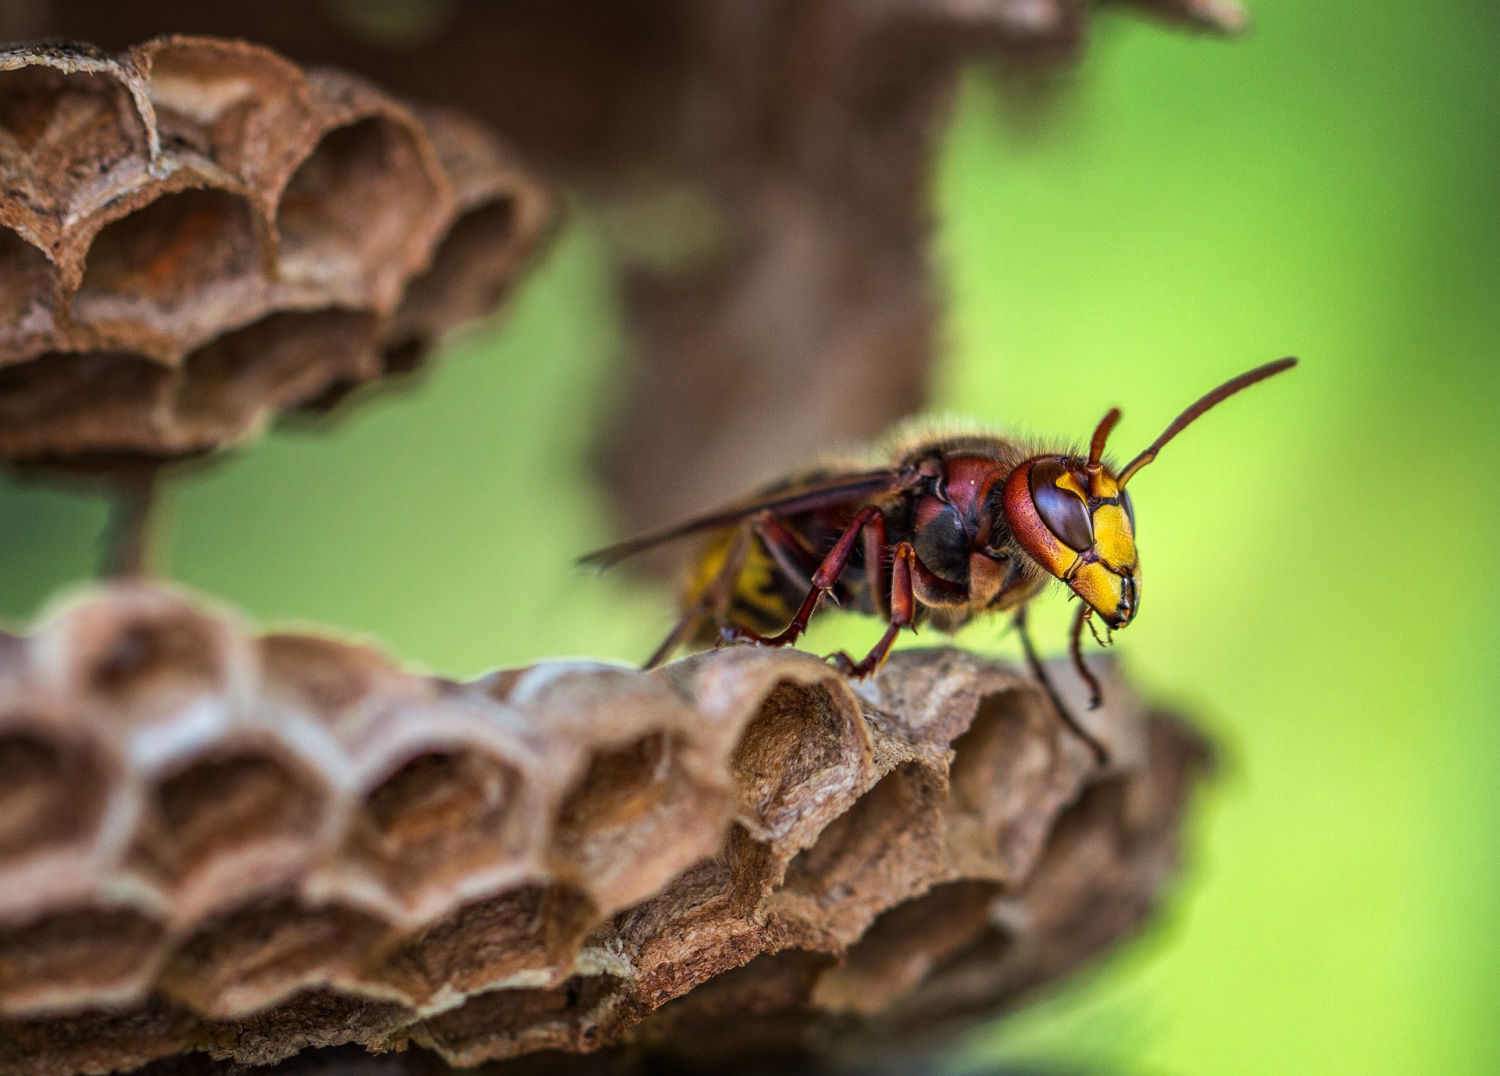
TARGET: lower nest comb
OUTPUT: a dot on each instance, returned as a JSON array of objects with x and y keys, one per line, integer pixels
[{"x": 249, "y": 845}]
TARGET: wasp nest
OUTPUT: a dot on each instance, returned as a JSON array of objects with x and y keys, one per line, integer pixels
[
  {"x": 196, "y": 236},
  {"x": 251, "y": 845}
]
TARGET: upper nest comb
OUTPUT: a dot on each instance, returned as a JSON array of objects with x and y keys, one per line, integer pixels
[{"x": 196, "y": 236}]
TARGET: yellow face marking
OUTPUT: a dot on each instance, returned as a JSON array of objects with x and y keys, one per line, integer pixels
[
  {"x": 1113, "y": 540},
  {"x": 1098, "y": 586},
  {"x": 1068, "y": 482}
]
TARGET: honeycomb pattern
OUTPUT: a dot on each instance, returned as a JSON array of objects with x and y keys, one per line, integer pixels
[
  {"x": 213, "y": 840},
  {"x": 197, "y": 236}
]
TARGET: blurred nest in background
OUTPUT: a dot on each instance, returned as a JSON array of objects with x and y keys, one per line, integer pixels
[
  {"x": 762, "y": 171},
  {"x": 198, "y": 236}
]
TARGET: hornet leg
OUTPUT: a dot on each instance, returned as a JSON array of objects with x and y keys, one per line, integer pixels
[
  {"x": 790, "y": 553},
  {"x": 1100, "y": 754},
  {"x": 1076, "y": 650},
  {"x": 823, "y": 582},
  {"x": 903, "y": 609},
  {"x": 714, "y": 598}
]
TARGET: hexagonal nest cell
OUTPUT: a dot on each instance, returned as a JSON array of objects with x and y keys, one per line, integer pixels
[
  {"x": 186, "y": 224},
  {"x": 53, "y": 793},
  {"x": 257, "y": 845}
]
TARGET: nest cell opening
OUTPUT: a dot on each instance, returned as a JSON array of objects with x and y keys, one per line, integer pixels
[
  {"x": 634, "y": 819},
  {"x": 1002, "y": 771},
  {"x": 869, "y": 848},
  {"x": 442, "y": 815},
  {"x": 29, "y": 283},
  {"x": 329, "y": 678},
  {"x": 65, "y": 405},
  {"x": 994, "y": 752},
  {"x": 221, "y": 86},
  {"x": 967, "y": 980},
  {"x": 528, "y": 931},
  {"x": 79, "y": 953},
  {"x": 151, "y": 660},
  {"x": 218, "y": 808},
  {"x": 168, "y": 255},
  {"x": 758, "y": 1010},
  {"x": 483, "y": 231},
  {"x": 42, "y": 106},
  {"x": 237, "y": 104},
  {"x": 355, "y": 206},
  {"x": 403, "y": 357},
  {"x": 575, "y": 1016},
  {"x": 51, "y": 794},
  {"x": 1090, "y": 839},
  {"x": 258, "y": 954},
  {"x": 903, "y": 947},
  {"x": 468, "y": 275},
  {"x": 278, "y": 362},
  {"x": 783, "y": 760}
]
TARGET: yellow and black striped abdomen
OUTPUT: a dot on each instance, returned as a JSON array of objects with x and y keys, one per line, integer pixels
[{"x": 758, "y": 596}]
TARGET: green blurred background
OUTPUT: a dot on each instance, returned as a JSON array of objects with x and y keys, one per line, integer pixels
[{"x": 1182, "y": 210}]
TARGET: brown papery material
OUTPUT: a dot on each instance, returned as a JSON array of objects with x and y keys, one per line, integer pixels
[
  {"x": 249, "y": 845},
  {"x": 197, "y": 236}
]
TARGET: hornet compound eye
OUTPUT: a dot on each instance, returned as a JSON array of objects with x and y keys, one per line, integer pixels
[{"x": 1063, "y": 511}]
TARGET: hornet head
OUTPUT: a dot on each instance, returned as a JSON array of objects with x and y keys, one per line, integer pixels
[{"x": 1073, "y": 517}]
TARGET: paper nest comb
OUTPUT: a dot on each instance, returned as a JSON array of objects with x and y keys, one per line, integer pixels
[
  {"x": 248, "y": 845},
  {"x": 196, "y": 236}
]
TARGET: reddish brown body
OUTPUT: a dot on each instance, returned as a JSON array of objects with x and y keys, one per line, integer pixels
[
  {"x": 936, "y": 518},
  {"x": 950, "y": 528}
]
